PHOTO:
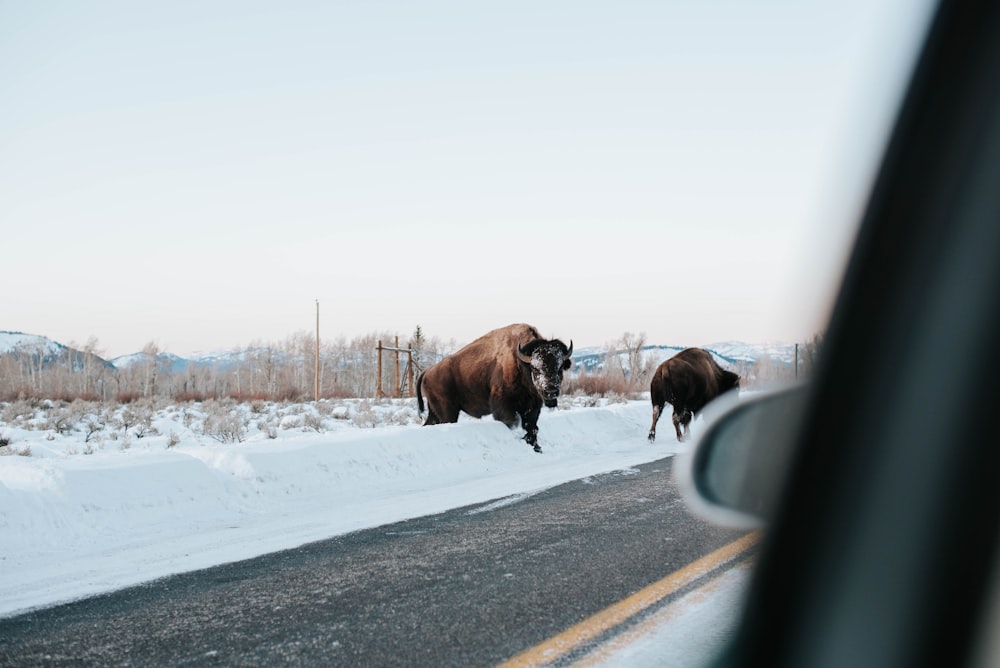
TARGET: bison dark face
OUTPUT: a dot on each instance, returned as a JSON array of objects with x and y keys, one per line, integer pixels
[{"x": 547, "y": 361}]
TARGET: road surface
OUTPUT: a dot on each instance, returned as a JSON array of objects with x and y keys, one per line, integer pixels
[{"x": 471, "y": 587}]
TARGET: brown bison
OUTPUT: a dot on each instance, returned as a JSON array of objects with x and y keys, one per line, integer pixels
[
  {"x": 687, "y": 381},
  {"x": 507, "y": 373}
]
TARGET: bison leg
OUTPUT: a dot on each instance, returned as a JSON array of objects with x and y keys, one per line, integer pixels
[
  {"x": 682, "y": 416},
  {"x": 656, "y": 417},
  {"x": 506, "y": 416},
  {"x": 530, "y": 423},
  {"x": 441, "y": 412},
  {"x": 529, "y": 420},
  {"x": 532, "y": 438}
]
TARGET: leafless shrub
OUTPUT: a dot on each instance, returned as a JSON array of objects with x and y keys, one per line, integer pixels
[
  {"x": 597, "y": 384},
  {"x": 583, "y": 400},
  {"x": 403, "y": 417},
  {"x": 365, "y": 415},
  {"x": 223, "y": 422},
  {"x": 91, "y": 426},
  {"x": 173, "y": 439},
  {"x": 144, "y": 429},
  {"x": 326, "y": 407},
  {"x": 225, "y": 428},
  {"x": 269, "y": 428},
  {"x": 128, "y": 397},
  {"x": 188, "y": 396},
  {"x": 60, "y": 420},
  {"x": 313, "y": 422},
  {"x": 9, "y": 450},
  {"x": 291, "y": 422},
  {"x": 138, "y": 417},
  {"x": 126, "y": 418},
  {"x": 19, "y": 393},
  {"x": 18, "y": 412},
  {"x": 82, "y": 407}
]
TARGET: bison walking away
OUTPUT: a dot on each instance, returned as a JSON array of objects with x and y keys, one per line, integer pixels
[
  {"x": 687, "y": 381},
  {"x": 507, "y": 373}
]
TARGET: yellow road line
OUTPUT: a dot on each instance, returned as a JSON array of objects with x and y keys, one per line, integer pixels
[
  {"x": 578, "y": 634},
  {"x": 603, "y": 654}
]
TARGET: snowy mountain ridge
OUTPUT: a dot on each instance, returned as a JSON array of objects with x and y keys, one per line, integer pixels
[{"x": 726, "y": 353}]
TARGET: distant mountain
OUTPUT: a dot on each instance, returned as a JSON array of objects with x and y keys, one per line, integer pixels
[
  {"x": 735, "y": 352},
  {"x": 168, "y": 361},
  {"x": 21, "y": 343},
  {"x": 728, "y": 354},
  {"x": 43, "y": 351},
  {"x": 223, "y": 361}
]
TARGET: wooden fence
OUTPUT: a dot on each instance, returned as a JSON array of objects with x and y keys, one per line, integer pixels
[{"x": 396, "y": 350}]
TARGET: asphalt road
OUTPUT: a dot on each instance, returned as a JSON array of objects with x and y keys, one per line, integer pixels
[{"x": 470, "y": 587}]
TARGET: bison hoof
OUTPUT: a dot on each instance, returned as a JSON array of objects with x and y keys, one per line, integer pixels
[
  {"x": 652, "y": 436},
  {"x": 537, "y": 447}
]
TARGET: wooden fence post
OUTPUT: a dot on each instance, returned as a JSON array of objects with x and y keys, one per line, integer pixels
[
  {"x": 409, "y": 366},
  {"x": 378, "y": 385},
  {"x": 395, "y": 352},
  {"x": 409, "y": 370}
]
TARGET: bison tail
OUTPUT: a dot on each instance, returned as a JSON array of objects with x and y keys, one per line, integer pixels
[
  {"x": 420, "y": 397},
  {"x": 668, "y": 389}
]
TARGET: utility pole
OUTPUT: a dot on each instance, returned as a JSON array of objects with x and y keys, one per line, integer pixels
[{"x": 317, "y": 351}]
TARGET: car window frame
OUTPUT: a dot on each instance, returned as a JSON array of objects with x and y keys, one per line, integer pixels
[{"x": 887, "y": 532}]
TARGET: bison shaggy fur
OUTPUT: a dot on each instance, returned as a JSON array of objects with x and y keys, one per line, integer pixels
[
  {"x": 687, "y": 381},
  {"x": 509, "y": 373}
]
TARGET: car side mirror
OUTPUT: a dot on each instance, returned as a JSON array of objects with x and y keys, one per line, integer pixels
[{"x": 736, "y": 470}]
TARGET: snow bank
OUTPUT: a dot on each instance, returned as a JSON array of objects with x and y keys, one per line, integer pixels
[{"x": 73, "y": 525}]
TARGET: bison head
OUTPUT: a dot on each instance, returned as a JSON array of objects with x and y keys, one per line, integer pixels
[{"x": 547, "y": 361}]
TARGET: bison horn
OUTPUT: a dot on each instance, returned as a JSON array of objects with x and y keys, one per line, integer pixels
[
  {"x": 521, "y": 356},
  {"x": 570, "y": 351}
]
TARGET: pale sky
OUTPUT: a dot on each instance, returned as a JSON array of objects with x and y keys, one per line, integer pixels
[{"x": 198, "y": 174}]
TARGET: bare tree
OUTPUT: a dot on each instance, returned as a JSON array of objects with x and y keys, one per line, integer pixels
[
  {"x": 93, "y": 369},
  {"x": 632, "y": 346},
  {"x": 150, "y": 365},
  {"x": 416, "y": 344}
]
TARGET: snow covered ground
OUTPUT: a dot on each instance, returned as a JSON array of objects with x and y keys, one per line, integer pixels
[{"x": 92, "y": 507}]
